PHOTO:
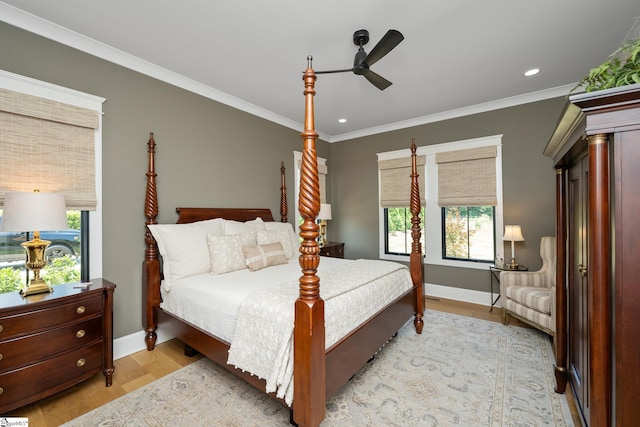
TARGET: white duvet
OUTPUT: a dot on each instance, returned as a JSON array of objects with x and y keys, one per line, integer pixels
[{"x": 254, "y": 311}]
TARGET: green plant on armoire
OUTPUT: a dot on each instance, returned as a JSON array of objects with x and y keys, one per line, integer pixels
[{"x": 622, "y": 69}]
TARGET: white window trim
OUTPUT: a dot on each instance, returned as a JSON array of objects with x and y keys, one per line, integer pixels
[
  {"x": 18, "y": 83},
  {"x": 297, "y": 158},
  {"x": 433, "y": 216}
]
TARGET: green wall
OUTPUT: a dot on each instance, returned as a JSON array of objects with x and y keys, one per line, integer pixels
[
  {"x": 209, "y": 154},
  {"x": 528, "y": 182}
]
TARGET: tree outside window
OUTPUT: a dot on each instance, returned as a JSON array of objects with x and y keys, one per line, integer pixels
[
  {"x": 468, "y": 233},
  {"x": 398, "y": 230}
]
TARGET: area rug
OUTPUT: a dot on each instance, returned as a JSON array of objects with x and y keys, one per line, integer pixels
[{"x": 460, "y": 372}]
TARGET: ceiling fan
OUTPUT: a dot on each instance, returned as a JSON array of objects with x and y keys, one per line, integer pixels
[{"x": 362, "y": 61}]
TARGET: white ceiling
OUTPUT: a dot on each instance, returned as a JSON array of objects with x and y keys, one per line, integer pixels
[{"x": 458, "y": 57}]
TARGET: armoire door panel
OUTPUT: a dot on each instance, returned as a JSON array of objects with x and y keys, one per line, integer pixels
[{"x": 578, "y": 318}]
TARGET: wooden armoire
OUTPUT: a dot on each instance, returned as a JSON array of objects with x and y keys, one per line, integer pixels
[{"x": 596, "y": 152}]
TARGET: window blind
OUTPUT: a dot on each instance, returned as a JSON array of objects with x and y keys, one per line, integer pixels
[
  {"x": 467, "y": 177},
  {"x": 395, "y": 182},
  {"x": 49, "y": 146}
]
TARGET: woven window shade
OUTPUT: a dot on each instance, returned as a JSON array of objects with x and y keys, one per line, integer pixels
[
  {"x": 323, "y": 171},
  {"x": 467, "y": 177},
  {"x": 49, "y": 146},
  {"x": 395, "y": 182}
]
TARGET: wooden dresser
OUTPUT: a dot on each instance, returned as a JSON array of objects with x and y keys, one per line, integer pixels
[
  {"x": 333, "y": 249},
  {"x": 596, "y": 152},
  {"x": 51, "y": 341}
]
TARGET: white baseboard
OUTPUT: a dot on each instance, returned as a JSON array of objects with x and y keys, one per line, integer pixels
[
  {"x": 459, "y": 294},
  {"x": 134, "y": 342}
]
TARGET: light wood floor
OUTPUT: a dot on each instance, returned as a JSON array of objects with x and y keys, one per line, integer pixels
[{"x": 141, "y": 368}]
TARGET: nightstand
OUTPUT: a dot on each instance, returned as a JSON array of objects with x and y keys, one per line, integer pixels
[
  {"x": 333, "y": 249},
  {"x": 52, "y": 341}
]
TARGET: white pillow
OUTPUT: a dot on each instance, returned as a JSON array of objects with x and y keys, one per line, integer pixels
[
  {"x": 293, "y": 236},
  {"x": 184, "y": 248},
  {"x": 225, "y": 251},
  {"x": 277, "y": 236},
  {"x": 236, "y": 227}
]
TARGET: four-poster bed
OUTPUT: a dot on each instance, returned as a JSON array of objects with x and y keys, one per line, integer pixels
[{"x": 321, "y": 366}]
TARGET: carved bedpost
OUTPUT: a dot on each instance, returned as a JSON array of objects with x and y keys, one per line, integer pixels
[
  {"x": 151, "y": 267},
  {"x": 283, "y": 194},
  {"x": 309, "y": 398},
  {"x": 415, "y": 259}
]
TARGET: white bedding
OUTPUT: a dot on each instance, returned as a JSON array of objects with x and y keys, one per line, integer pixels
[
  {"x": 254, "y": 310},
  {"x": 211, "y": 302}
]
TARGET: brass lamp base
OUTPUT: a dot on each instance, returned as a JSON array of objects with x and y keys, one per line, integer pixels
[
  {"x": 35, "y": 261},
  {"x": 34, "y": 288},
  {"x": 323, "y": 230},
  {"x": 513, "y": 265}
]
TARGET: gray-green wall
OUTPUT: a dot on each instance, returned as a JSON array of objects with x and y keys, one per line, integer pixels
[
  {"x": 528, "y": 182},
  {"x": 209, "y": 154}
]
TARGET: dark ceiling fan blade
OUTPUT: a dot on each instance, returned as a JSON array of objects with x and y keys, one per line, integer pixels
[
  {"x": 384, "y": 46},
  {"x": 377, "y": 80},
  {"x": 334, "y": 71}
]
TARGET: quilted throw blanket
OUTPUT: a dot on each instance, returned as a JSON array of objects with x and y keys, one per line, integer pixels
[{"x": 263, "y": 338}]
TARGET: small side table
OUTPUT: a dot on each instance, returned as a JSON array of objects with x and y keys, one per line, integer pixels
[
  {"x": 333, "y": 249},
  {"x": 494, "y": 272}
]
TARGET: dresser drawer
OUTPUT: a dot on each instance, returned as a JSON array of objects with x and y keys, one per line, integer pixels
[
  {"x": 42, "y": 379},
  {"x": 27, "y": 349},
  {"x": 28, "y": 322}
]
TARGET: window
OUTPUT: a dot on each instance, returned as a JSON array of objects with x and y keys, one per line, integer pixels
[
  {"x": 398, "y": 225},
  {"x": 468, "y": 233},
  {"x": 47, "y": 112},
  {"x": 460, "y": 222},
  {"x": 64, "y": 255}
]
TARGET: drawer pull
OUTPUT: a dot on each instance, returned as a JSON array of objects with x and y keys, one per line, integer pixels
[
  {"x": 80, "y": 333},
  {"x": 1, "y": 328},
  {"x": 1, "y": 356},
  {"x": 81, "y": 309},
  {"x": 80, "y": 363},
  {"x": 1, "y": 390}
]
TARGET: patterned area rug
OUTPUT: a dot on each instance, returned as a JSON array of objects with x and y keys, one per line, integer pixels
[{"x": 459, "y": 372}]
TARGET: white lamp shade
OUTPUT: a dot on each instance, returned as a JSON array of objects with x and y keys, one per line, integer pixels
[
  {"x": 513, "y": 233},
  {"x": 34, "y": 211},
  {"x": 325, "y": 211}
]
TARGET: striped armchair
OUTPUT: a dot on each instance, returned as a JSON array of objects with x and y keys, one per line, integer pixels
[{"x": 531, "y": 296}]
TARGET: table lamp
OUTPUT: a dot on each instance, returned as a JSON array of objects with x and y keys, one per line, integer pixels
[
  {"x": 323, "y": 216},
  {"x": 513, "y": 233},
  {"x": 35, "y": 211}
]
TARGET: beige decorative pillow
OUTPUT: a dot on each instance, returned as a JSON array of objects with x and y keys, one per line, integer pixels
[
  {"x": 226, "y": 253},
  {"x": 260, "y": 256}
]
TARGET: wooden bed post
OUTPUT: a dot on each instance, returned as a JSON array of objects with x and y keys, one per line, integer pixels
[
  {"x": 415, "y": 259},
  {"x": 151, "y": 263},
  {"x": 309, "y": 372},
  {"x": 283, "y": 194}
]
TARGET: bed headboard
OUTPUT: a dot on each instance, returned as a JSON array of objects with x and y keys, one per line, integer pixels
[{"x": 186, "y": 215}]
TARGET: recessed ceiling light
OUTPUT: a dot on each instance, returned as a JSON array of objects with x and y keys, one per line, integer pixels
[
  {"x": 342, "y": 120},
  {"x": 532, "y": 72}
]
